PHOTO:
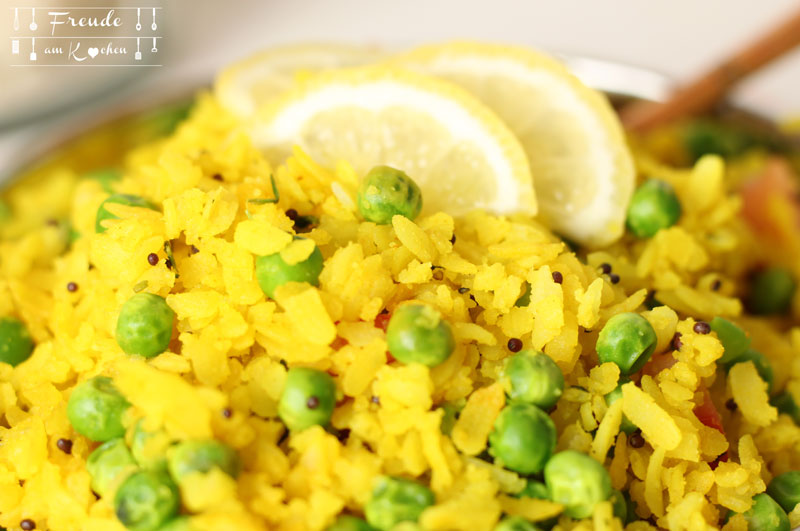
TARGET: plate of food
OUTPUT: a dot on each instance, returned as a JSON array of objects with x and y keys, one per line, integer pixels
[{"x": 435, "y": 289}]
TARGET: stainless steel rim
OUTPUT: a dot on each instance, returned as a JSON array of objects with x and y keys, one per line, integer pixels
[
  {"x": 615, "y": 79},
  {"x": 619, "y": 79}
]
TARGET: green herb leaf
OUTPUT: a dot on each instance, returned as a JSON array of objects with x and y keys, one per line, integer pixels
[{"x": 260, "y": 201}]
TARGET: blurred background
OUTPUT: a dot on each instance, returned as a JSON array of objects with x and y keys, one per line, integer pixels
[{"x": 679, "y": 38}]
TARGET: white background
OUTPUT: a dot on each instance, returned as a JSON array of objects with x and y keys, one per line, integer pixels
[{"x": 677, "y": 37}]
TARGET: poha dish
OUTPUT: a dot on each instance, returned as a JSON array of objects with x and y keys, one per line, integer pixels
[{"x": 215, "y": 339}]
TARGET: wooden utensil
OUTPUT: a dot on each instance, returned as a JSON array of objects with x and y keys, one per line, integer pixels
[{"x": 704, "y": 92}]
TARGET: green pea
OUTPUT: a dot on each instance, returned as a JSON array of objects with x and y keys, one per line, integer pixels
[
  {"x": 272, "y": 271},
  {"x": 146, "y": 500},
  {"x": 534, "y": 489},
  {"x": 577, "y": 481},
  {"x": 308, "y": 398},
  {"x": 408, "y": 526},
  {"x": 523, "y": 439},
  {"x": 108, "y": 465},
  {"x": 533, "y": 377},
  {"x": 525, "y": 298},
  {"x": 417, "y": 333},
  {"x": 16, "y": 344},
  {"x": 706, "y": 137},
  {"x": 733, "y": 339},
  {"x": 628, "y": 340},
  {"x": 121, "y": 199},
  {"x": 763, "y": 366},
  {"x": 626, "y": 425},
  {"x": 620, "y": 506},
  {"x": 785, "y": 490},
  {"x": 181, "y": 523},
  {"x": 149, "y": 448},
  {"x": 396, "y": 500},
  {"x": 144, "y": 326},
  {"x": 346, "y": 522},
  {"x": 106, "y": 177},
  {"x": 515, "y": 523},
  {"x": 786, "y": 404},
  {"x": 386, "y": 192},
  {"x": 188, "y": 457},
  {"x": 654, "y": 206},
  {"x": 771, "y": 292},
  {"x": 95, "y": 409},
  {"x": 766, "y": 515}
]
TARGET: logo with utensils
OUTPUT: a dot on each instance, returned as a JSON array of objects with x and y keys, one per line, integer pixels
[{"x": 81, "y": 36}]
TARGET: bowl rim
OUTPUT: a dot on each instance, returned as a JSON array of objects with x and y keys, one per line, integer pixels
[{"x": 619, "y": 81}]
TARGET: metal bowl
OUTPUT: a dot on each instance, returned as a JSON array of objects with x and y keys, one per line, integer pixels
[
  {"x": 122, "y": 119},
  {"x": 119, "y": 126}
]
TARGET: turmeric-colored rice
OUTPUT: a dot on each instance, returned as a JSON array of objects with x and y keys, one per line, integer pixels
[{"x": 232, "y": 345}]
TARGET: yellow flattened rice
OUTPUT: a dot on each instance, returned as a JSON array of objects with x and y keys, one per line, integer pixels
[{"x": 705, "y": 441}]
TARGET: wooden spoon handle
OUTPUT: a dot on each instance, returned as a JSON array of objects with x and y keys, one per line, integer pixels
[{"x": 701, "y": 94}]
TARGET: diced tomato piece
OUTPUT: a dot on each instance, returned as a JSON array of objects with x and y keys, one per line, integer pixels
[
  {"x": 708, "y": 414},
  {"x": 382, "y": 320},
  {"x": 658, "y": 363},
  {"x": 770, "y": 202},
  {"x": 338, "y": 343}
]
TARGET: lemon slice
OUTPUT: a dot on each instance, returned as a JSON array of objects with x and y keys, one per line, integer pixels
[
  {"x": 582, "y": 169},
  {"x": 247, "y": 84},
  {"x": 462, "y": 156}
]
